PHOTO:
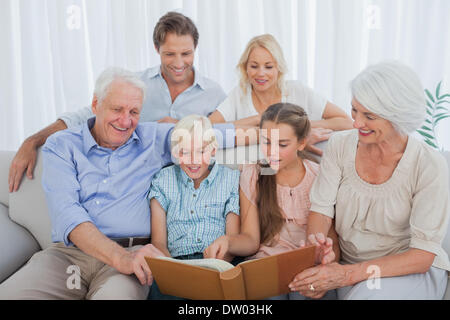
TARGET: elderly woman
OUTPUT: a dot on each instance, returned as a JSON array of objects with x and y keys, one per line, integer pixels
[
  {"x": 387, "y": 194},
  {"x": 262, "y": 70}
]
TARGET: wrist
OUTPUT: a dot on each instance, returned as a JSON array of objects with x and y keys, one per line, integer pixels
[
  {"x": 352, "y": 274},
  {"x": 118, "y": 258},
  {"x": 31, "y": 142}
]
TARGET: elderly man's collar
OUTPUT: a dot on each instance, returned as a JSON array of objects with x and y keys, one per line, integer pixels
[{"x": 89, "y": 141}]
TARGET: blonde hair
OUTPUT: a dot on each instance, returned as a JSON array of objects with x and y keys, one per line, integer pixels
[
  {"x": 190, "y": 127},
  {"x": 268, "y": 42}
]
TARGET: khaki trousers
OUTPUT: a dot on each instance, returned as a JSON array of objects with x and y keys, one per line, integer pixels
[{"x": 61, "y": 272}]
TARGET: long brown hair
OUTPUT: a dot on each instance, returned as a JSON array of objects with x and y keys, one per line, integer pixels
[{"x": 270, "y": 218}]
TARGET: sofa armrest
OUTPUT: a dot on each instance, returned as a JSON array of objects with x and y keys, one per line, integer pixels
[
  {"x": 17, "y": 245},
  {"x": 5, "y": 160}
]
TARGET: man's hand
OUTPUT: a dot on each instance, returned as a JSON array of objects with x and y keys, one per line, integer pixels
[
  {"x": 134, "y": 262},
  {"x": 24, "y": 160},
  {"x": 167, "y": 120}
]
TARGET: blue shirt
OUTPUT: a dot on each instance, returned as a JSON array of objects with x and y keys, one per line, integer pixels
[
  {"x": 202, "y": 98},
  {"x": 84, "y": 182},
  {"x": 195, "y": 217}
]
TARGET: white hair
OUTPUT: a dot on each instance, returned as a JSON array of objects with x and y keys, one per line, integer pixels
[
  {"x": 111, "y": 74},
  {"x": 394, "y": 92}
]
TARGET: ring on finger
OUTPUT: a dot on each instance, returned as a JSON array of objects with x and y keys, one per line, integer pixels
[{"x": 311, "y": 287}]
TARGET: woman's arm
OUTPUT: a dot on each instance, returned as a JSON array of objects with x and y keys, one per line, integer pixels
[
  {"x": 216, "y": 117},
  {"x": 332, "y": 276},
  {"x": 408, "y": 262},
  {"x": 159, "y": 227},
  {"x": 333, "y": 118},
  {"x": 252, "y": 121},
  {"x": 246, "y": 123}
]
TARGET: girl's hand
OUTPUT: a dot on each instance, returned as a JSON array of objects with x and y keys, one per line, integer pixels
[
  {"x": 324, "y": 252},
  {"x": 218, "y": 249}
]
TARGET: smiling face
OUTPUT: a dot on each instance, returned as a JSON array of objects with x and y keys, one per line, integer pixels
[
  {"x": 177, "y": 59},
  {"x": 194, "y": 156},
  {"x": 280, "y": 145},
  {"x": 117, "y": 115},
  {"x": 262, "y": 70},
  {"x": 371, "y": 128}
]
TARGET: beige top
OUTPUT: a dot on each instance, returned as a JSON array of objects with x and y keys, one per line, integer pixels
[
  {"x": 293, "y": 202},
  {"x": 410, "y": 210}
]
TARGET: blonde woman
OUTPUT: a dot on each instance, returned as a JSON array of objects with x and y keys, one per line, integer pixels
[{"x": 262, "y": 70}]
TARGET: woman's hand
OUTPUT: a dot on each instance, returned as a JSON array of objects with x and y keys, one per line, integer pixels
[
  {"x": 316, "y": 281},
  {"x": 317, "y": 135}
]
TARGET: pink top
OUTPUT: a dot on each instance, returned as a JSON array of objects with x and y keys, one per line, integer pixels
[{"x": 294, "y": 203}]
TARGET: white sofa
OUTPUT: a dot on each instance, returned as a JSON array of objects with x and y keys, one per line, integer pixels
[{"x": 25, "y": 224}]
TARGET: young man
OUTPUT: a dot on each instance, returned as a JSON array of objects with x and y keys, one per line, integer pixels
[{"x": 174, "y": 90}]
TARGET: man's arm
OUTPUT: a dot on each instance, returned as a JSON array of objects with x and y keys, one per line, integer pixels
[
  {"x": 90, "y": 240},
  {"x": 72, "y": 223},
  {"x": 25, "y": 158}
]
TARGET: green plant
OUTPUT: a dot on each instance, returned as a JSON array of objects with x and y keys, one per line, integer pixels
[{"x": 437, "y": 110}]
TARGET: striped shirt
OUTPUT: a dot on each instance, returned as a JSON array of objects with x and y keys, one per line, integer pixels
[{"x": 195, "y": 217}]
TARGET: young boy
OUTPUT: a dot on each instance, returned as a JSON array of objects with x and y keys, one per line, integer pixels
[{"x": 196, "y": 201}]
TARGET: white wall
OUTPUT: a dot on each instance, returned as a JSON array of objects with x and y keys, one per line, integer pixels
[{"x": 52, "y": 50}]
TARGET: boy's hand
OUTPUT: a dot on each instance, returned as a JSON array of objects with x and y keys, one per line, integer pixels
[{"x": 218, "y": 249}]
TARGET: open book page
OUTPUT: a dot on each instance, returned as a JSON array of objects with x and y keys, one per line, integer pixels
[{"x": 213, "y": 264}]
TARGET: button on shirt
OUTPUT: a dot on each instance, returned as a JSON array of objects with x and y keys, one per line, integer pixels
[
  {"x": 202, "y": 98},
  {"x": 84, "y": 182},
  {"x": 195, "y": 217}
]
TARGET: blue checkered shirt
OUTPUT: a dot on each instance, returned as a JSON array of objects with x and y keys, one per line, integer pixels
[{"x": 195, "y": 217}]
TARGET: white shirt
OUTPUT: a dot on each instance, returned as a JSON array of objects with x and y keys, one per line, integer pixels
[{"x": 239, "y": 106}]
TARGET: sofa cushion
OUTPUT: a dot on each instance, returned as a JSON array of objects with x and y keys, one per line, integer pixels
[
  {"x": 5, "y": 160},
  {"x": 28, "y": 207},
  {"x": 17, "y": 245}
]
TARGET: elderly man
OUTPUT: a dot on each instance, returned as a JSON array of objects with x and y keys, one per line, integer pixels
[
  {"x": 96, "y": 177},
  {"x": 175, "y": 89}
]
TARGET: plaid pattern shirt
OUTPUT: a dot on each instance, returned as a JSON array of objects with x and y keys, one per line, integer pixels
[{"x": 195, "y": 217}]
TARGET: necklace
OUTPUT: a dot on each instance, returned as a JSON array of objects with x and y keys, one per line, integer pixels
[{"x": 260, "y": 106}]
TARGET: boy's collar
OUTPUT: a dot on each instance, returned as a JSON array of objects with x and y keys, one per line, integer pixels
[{"x": 213, "y": 169}]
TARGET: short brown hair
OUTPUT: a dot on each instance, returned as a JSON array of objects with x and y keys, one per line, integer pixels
[{"x": 177, "y": 23}]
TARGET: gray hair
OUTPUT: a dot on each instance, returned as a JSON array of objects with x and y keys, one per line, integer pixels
[
  {"x": 394, "y": 92},
  {"x": 111, "y": 74}
]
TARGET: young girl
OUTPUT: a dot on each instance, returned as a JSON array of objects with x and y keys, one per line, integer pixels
[
  {"x": 196, "y": 201},
  {"x": 274, "y": 195}
]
